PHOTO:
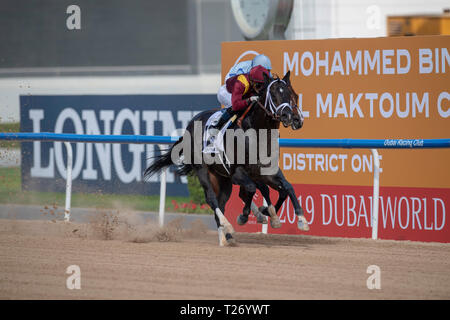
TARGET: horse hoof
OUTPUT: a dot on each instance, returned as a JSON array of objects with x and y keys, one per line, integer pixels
[
  {"x": 231, "y": 242},
  {"x": 241, "y": 220},
  {"x": 302, "y": 224},
  {"x": 260, "y": 218},
  {"x": 274, "y": 220},
  {"x": 229, "y": 228},
  {"x": 275, "y": 223}
]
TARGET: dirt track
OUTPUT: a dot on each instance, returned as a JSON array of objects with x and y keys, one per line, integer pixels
[{"x": 148, "y": 263}]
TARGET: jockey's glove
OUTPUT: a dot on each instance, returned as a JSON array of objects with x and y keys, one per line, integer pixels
[{"x": 253, "y": 99}]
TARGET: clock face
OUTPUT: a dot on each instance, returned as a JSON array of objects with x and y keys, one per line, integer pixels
[
  {"x": 251, "y": 15},
  {"x": 255, "y": 12}
]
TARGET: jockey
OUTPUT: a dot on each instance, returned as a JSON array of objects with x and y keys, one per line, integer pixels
[
  {"x": 244, "y": 90},
  {"x": 243, "y": 67}
]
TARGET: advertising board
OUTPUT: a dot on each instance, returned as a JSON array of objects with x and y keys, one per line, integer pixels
[{"x": 378, "y": 88}]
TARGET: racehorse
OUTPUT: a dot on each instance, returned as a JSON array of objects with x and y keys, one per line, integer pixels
[
  {"x": 273, "y": 107},
  {"x": 284, "y": 189}
]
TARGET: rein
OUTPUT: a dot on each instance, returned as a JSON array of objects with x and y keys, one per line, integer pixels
[
  {"x": 239, "y": 121},
  {"x": 265, "y": 110},
  {"x": 270, "y": 108}
]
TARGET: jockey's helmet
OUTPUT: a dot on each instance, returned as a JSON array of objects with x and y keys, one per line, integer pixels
[
  {"x": 257, "y": 74},
  {"x": 262, "y": 60}
]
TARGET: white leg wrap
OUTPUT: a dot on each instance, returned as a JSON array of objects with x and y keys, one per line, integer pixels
[
  {"x": 224, "y": 222},
  {"x": 222, "y": 239},
  {"x": 222, "y": 219}
]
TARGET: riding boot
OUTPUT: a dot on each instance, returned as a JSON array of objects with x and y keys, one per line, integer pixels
[{"x": 226, "y": 115}]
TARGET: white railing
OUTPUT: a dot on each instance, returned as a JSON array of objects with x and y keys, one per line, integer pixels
[{"x": 292, "y": 143}]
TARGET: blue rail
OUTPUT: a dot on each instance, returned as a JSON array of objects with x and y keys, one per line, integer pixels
[
  {"x": 71, "y": 137},
  {"x": 366, "y": 143},
  {"x": 293, "y": 143}
]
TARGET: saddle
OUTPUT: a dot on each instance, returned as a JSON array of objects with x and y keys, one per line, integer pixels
[{"x": 213, "y": 141}]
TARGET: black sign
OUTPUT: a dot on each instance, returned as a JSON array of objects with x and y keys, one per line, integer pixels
[{"x": 109, "y": 168}]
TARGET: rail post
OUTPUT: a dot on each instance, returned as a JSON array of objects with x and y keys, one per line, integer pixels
[
  {"x": 376, "y": 193},
  {"x": 68, "y": 181},
  {"x": 265, "y": 225},
  {"x": 163, "y": 179},
  {"x": 162, "y": 197}
]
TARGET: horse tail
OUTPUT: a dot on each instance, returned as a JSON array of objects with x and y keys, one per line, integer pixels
[
  {"x": 164, "y": 160},
  {"x": 184, "y": 169}
]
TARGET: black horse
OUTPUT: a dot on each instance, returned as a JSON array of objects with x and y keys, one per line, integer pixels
[
  {"x": 274, "y": 107},
  {"x": 284, "y": 189}
]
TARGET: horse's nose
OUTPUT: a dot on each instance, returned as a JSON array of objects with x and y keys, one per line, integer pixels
[
  {"x": 286, "y": 118},
  {"x": 297, "y": 122}
]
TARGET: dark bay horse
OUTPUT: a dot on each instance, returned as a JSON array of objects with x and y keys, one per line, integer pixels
[
  {"x": 274, "y": 107},
  {"x": 284, "y": 189}
]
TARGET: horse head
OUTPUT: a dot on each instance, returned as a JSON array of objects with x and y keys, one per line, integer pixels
[{"x": 278, "y": 99}]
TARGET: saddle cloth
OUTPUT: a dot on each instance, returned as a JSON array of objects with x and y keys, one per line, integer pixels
[{"x": 214, "y": 143}]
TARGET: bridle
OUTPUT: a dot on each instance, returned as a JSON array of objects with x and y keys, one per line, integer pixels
[{"x": 271, "y": 109}]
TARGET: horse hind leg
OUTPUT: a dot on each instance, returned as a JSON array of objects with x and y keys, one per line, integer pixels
[
  {"x": 243, "y": 218},
  {"x": 246, "y": 192},
  {"x": 210, "y": 185},
  {"x": 225, "y": 238},
  {"x": 224, "y": 228},
  {"x": 223, "y": 194}
]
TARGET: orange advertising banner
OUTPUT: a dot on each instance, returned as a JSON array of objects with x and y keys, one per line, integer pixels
[{"x": 376, "y": 88}]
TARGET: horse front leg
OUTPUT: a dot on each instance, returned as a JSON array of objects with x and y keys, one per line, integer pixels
[
  {"x": 282, "y": 195},
  {"x": 249, "y": 205},
  {"x": 263, "y": 211},
  {"x": 279, "y": 182}
]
